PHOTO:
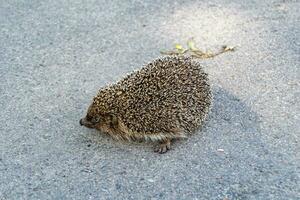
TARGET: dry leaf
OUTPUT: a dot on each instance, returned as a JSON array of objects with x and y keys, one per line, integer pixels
[
  {"x": 228, "y": 48},
  {"x": 178, "y": 47},
  {"x": 191, "y": 45}
]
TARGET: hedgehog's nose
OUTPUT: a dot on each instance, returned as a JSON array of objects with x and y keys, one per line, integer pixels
[{"x": 80, "y": 122}]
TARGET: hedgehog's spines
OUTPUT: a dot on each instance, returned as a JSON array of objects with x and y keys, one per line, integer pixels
[{"x": 170, "y": 93}]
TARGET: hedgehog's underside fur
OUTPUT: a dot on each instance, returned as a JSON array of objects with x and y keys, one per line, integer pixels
[{"x": 168, "y": 98}]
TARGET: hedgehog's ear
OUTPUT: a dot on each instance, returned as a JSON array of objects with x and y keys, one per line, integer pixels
[{"x": 113, "y": 119}]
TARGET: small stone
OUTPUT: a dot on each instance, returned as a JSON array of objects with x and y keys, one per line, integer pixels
[
  {"x": 151, "y": 180},
  {"x": 118, "y": 186}
]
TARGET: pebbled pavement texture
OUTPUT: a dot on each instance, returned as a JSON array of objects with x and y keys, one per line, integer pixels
[{"x": 55, "y": 55}]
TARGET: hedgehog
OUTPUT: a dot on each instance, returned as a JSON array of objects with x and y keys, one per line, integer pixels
[{"x": 167, "y": 99}]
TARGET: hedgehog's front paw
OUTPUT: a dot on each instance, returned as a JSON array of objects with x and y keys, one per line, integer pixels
[{"x": 163, "y": 146}]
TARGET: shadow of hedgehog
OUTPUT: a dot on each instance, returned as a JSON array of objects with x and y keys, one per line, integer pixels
[{"x": 169, "y": 98}]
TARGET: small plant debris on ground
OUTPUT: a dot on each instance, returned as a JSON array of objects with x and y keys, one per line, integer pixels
[{"x": 194, "y": 52}]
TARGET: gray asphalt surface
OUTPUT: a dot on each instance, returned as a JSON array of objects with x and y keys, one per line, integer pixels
[{"x": 55, "y": 55}]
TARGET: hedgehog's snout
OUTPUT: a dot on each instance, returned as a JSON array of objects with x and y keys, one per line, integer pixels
[
  {"x": 86, "y": 123},
  {"x": 81, "y": 122}
]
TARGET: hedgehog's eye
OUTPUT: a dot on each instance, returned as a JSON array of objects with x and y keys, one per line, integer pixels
[
  {"x": 89, "y": 118},
  {"x": 95, "y": 119}
]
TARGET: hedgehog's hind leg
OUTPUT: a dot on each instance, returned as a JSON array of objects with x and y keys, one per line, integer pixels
[{"x": 163, "y": 146}]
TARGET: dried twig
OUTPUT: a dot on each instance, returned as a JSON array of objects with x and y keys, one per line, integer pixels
[{"x": 194, "y": 52}]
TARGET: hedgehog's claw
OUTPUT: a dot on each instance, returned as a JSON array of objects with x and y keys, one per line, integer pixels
[{"x": 163, "y": 147}]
